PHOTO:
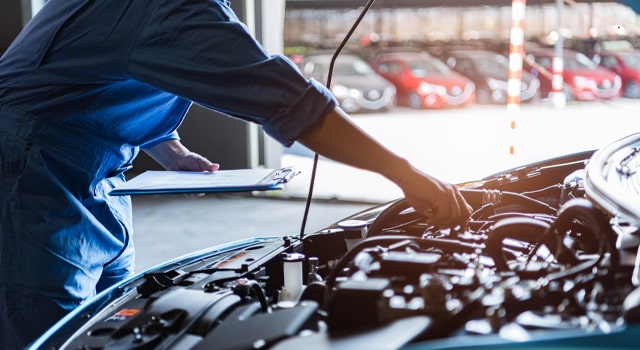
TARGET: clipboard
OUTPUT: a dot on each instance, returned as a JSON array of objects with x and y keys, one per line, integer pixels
[{"x": 236, "y": 180}]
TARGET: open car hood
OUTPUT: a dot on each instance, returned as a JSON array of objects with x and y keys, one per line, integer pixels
[{"x": 549, "y": 258}]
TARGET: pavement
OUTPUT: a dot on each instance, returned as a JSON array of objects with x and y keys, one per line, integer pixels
[
  {"x": 453, "y": 145},
  {"x": 169, "y": 226}
]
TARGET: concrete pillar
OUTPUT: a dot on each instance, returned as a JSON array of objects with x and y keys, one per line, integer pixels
[
  {"x": 557, "y": 95},
  {"x": 270, "y": 22}
]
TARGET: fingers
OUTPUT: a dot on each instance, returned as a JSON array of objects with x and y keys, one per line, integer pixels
[
  {"x": 449, "y": 209},
  {"x": 459, "y": 212},
  {"x": 195, "y": 162},
  {"x": 204, "y": 164},
  {"x": 209, "y": 166}
]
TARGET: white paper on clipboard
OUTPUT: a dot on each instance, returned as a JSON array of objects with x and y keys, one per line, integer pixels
[{"x": 236, "y": 180}]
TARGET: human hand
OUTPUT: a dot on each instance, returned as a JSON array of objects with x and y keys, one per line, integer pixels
[
  {"x": 192, "y": 161},
  {"x": 173, "y": 155},
  {"x": 440, "y": 202}
]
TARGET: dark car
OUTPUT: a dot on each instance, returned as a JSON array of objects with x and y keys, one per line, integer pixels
[
  {"x": 423, "y": 81},
  {"x": 626, "y": 64},
  {"x": 549, "y": 259},
  {"x": 583, "y": 79},
  {"x": 489, "y": 71},
  {"x": 354, "y": 83}
]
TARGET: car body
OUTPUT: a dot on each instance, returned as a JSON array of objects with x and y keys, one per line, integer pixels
[
  {"x": 354, "y": 83},
  {"x": 489, "y": 71},
  {"x": 583, "y": 79},
  {"x": 625, "y": 63},
  {"x": 423, "y": 81},
  {"x": 549, "y": 259}
]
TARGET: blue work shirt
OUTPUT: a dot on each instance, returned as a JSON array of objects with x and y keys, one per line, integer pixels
[{"x": 83, "y": 87}]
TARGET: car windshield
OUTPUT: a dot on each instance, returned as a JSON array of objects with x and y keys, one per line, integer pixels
[
  {"x": 318, "y": 67},
  {"x": 352, "y": 66},
  {"x": 578, "y": 61},
  {"x": 632, "y": 60},
  {"x": 427, "y": 66},
  {"x": 488, "y": 64}
]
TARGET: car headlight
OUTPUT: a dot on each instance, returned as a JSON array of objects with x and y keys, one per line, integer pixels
[
  {"x": 340, "y": 91},
  {"x": 496, "y": 84},
  {"x": 470, "y": 86},
  {"x": 582, "y": 82},
  {"x": 390, "y": 90},
  {"x": 425, "y": 88}
]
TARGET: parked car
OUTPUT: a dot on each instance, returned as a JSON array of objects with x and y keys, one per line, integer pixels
[
  {"x": 549, "y": 259},
  {"x": 354, "y": 83},
  {"x": 583, "y": 79},
  {"x": 626, "y": 64},
  {"x": 423, "y": 81},
  {"x": 489, "y": 71}
]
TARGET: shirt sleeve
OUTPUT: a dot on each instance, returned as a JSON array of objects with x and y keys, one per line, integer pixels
[
  {"x": 199, "y": 50},
  {"x": 171, "y": 136}
]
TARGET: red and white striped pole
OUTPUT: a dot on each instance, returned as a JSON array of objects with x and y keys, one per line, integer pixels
[
  {"x": 516, "y": 55},
  {"x": 557, "y": 96}
]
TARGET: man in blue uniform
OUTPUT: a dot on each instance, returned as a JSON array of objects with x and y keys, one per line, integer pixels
[{"x": 89, "y": 83}]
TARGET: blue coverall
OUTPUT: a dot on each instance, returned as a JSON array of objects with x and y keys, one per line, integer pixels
[{"x": 83, "y": 87}]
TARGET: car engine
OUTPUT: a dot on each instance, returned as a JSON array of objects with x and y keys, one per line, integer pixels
[{"x": 549, "y": 256}]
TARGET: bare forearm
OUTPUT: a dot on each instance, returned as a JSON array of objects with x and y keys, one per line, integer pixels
[
  {"x": 338, "y": 138},
  {"x": 167, "y": 153}
]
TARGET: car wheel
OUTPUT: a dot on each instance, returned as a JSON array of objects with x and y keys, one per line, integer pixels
[
  {"x": 631, "y": 90},
  {"x": 415, "y": 101},
  {"x": 535, "y": 98}
]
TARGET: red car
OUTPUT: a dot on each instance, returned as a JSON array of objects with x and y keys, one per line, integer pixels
[
  {"x": 626, "y": 64},
  {"x": 583, "y": 79},
  {"x": 423, "y": 81}
]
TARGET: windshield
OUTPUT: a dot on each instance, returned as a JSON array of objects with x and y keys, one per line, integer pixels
[
  {"x": 427, "y": 66},
  {"x": 318, "y": 67},
  {"x": 352, "y": 66},
  {"x": 579, "y": 61},
  {"x": 632, "y": 60},
  {"x": 492, "y": 64}
]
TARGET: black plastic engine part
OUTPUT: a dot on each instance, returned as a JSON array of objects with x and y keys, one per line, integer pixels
[
  {"x": 260, "y": 330},
  {"x": 354, "y": 305}
]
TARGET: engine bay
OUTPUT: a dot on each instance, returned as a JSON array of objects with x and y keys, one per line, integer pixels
[{"x": 550, "y": 253}]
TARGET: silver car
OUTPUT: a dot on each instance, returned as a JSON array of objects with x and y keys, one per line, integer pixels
[{"x": 354, "y": 83}]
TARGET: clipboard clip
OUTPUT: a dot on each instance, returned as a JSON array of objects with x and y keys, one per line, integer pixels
[{"x": 284, "y": 175}]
